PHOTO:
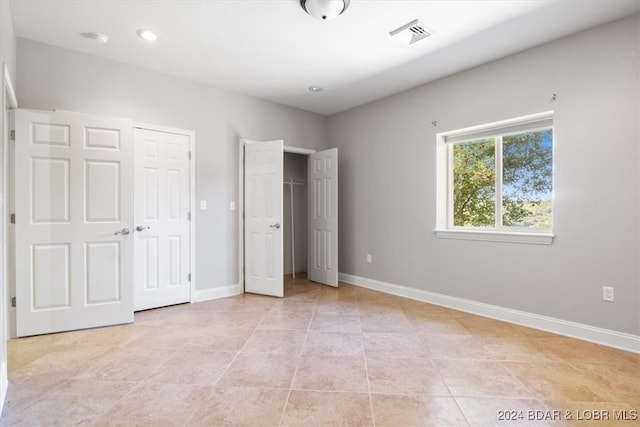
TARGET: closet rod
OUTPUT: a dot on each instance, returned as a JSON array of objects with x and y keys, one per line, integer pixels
[{"x": 291, "y": 181}]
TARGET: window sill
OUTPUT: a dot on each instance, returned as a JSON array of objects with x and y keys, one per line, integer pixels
[{"x": 497, "y": 236}]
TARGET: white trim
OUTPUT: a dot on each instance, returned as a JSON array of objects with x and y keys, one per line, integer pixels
[
  {"x": 496, "y": 236},
  {"x": 241, "y": 144},
  {"x": 498, "y": 150},
  {"x": 192, "y": 192},
  {"x": 9, "y": 102},
  {"x": 9, "y": 88},
  {"x": 4, "y": 383},
  {"x": 165, "y": 129},
  {"x": 297, "y": 150},
  {"x": 504, "y": 127},
  {"x": 217, "y": 293},
  {"x": 607, "y": 337}
]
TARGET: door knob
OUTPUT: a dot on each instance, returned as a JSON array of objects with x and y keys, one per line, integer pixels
[
  {"x": 124, "y": 232},
  {"x": 142, "y": 228},
  {"x": 276, "y": 226}
]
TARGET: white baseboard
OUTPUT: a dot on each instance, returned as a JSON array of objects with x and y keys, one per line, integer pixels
[
  {"x": 215, "y": 293},
  {"x": 619, "y": 340},
  {"x": 4, "y": 384}
]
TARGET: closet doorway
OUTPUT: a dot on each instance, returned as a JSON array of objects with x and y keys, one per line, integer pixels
[
  {"x": 294, "y": 222},
  {"x": 264, "y": 255}
]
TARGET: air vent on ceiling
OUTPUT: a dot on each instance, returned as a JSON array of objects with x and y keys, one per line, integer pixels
[{"x": 411, "y": 32}]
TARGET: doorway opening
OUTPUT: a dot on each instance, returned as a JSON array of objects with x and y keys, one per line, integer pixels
[
  {"x": 294, "y": 222},
  {"x": 270, "y": 225}
]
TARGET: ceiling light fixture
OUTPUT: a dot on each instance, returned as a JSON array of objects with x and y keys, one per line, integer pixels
[
  {"x": 96, "y": 37},
  {"x": 324, "y": 9},
  {"x": 315, "y": 89},
  {"x": 147, "y": 35}
]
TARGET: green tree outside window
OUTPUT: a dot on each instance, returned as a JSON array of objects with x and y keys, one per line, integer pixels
[{"x": 526, "y": 181}]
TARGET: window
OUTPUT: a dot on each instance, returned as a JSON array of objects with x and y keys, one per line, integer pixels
[{"x": 495, "y": 182}]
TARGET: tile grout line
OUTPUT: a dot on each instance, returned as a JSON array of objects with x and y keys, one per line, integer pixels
[
  {"x": 238, "y": 352},
  {"x": 35, "y": 399},
  {"x": 437, "y": 369},
  {"x": 366, "y": 368},
  {"x": 295, "y": 372},
  {"x": 534, "y": 395},
  {"x": 124, "y": 396},
  {"x": 222, "y": 374}
]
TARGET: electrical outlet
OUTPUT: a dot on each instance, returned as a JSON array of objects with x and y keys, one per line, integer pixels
[
  {"x": 607, "y": 293},
  {"x": 203, "y": 205},
  {"x": 368, "y": 258}
]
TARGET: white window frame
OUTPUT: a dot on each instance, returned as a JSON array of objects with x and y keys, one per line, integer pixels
[{"x": 444, "y": 169}]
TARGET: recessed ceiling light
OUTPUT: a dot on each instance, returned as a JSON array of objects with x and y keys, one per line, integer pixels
[
  {"x": 96, "y": 37},
  {"x": 147, "y": 35},
  {"x": 315, "y": 89}
]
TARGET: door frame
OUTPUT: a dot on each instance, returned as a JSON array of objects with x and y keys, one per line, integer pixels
[
  {"x": 240, "y": 202},
  {"x": 9, "y": 102},
  {"x": 192, "y": 194}
]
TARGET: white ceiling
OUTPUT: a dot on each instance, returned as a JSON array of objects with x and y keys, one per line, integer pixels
[{"x": 273, "y": 50}]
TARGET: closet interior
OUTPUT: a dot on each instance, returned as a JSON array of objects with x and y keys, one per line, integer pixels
[{"x": 294, "y": 214}]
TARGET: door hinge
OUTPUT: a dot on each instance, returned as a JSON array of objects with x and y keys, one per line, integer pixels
[
  {"x": 12, "y": 134},
  {"x": 189, "y": 277},
  {"x": 189, "y": 216},
  {"x": 13, "y": 302},
  {"x": 12, "y": 218},
  {"x": 189, "y": 155}
]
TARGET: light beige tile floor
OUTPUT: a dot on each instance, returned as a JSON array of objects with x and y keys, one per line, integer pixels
[{"x": 318, "y": 357}]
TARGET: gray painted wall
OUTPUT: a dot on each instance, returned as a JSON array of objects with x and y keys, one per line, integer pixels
[
  {"x": 295, "y": 166},
  {"x": 7, "y": 39},
  {"x": 52, "y": 77},
  {"x": 388, "y": 182}
]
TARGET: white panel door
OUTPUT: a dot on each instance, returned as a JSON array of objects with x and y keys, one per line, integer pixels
[
  {"x": 263, "y": 169},
  {"x": 162, "y": 198},
  {"x": 323, "y": 217},
  {"x": 74, "y": 212}
]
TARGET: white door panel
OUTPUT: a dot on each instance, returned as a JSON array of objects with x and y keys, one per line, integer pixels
[
  {"x": 73, "y": 192},
  {"x": 263, "y": 217},
  {"x": 162, "y": 237},
  {"x": 323, "y": 217}
]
